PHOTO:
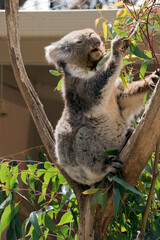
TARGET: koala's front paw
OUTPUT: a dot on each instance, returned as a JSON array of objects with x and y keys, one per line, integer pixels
[
  {"x": 119, "y": 45},
  {"x": 153, "y": 78}
]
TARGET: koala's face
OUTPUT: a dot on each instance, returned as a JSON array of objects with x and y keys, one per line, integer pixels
[{"x": 82, "y": 48}]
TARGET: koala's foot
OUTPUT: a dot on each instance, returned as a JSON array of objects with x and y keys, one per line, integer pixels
[
  {"x": 153, "y": 78},
  {"x": 119, "y": 45},
  {"x": 116, "y": 164}
]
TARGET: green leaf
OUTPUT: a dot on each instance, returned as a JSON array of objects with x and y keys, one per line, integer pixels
[
  {"x": 112, "y": 152},
  {"x": 74, "y": 218},
  {"x": 156, "y": 25},
  {"x": 47, "y": 165},
  {"x": 125, "y": 62},
  {"x": 109, "y": 27},
  {"x": 143, "y": 69},
  {"x": 119, "y": 32},
  {"x": 104, "y": 26},
  {"x": 41, "y": 198},
  {"x": 49, "y": 224},
  {"x": 18, "y": 227},
  {"x": 55, "y": 73},
  {"x": 94, "y": 201},
  {"x": 59, "y": 85},
  {"x": 64, "y": 233},
  {"x": 5, "y": 203},
  {"x": 147, "y": 96},
  {"x": 9, "y": 212},
  {"x": 66, "y": 218},
  {"x": 24, "y": 227},
  {"x": 116, "y": 199},
  {"x": 124, "y": 80},
  {"x": 103, "y": 61},
  {"x": 156, "y": 228},
  {"x": 118, "y": 237},
  {"x": 91, "y": 191},
  {"x": 4, "y": 171},
  {"x": 14, "y": 173},
  {"x": 136, "y": 51},
  {"x": 34, "y": 235},
  {"x": 102, "y": 200},
  {"x": 14, "y": 230},
  {"x": 120, "y": 18},
  {"x": 126, "y": 185},
  {"x": 149, "y": 169},
  {"x": 23, "y": 176},
  {"x": 33, "y": 219},
  {"x": 135, "y": 29}
]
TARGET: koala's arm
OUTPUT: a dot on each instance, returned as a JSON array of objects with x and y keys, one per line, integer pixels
[
  {"x": 104, "y": 79},
  {"x": 131, "y": 100}
]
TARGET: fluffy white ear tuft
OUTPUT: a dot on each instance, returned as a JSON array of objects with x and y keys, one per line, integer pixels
[{"x": 49, "y": 53}]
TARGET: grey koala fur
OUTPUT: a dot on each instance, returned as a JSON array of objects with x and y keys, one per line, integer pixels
[{"x": 98, "y": 108}]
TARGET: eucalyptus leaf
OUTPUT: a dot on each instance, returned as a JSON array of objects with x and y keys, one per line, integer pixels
[
  {"x": 110, "y": 32},
  {"x": 116, "y": 199},
  {"x": 94, "y": 201},
  {"x": 59, "y": 85},
  {"x": 124, "y": 80},
  {"x": 104, "y": 26},
  {"x": 136, "y": 51},
  {"x": 55, "y": 73},
  {"x": 126, "y": 185},
  {"x": 143, "y": 69},
  {"x": 135, "y": 29},
  {"x": 66, "y": 218},
  {"x": 24, "y": 227},
  {"x": 91, "y": 191},
  {"x": 119, "y": 32},
  {"x": 9, "y": 212},
  {"x": 50, "y": 225},
  {"x": 113, "y": 152},
  {"x": 6, "y": 202},
  {"x": 103, "y": 61},
  {"x": 34, "y": 220},
  {"x": 75, "y": 219}
]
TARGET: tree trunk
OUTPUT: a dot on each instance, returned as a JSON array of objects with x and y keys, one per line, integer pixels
[
  {"x": 86, "y": 219},
  {"x": 135, "y": 155}
]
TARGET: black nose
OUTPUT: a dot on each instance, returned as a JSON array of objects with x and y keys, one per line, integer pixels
[{"x": 95, "y": 40}]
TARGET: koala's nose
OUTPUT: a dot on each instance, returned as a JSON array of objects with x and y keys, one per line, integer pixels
[{"x": 95, "y": 40}]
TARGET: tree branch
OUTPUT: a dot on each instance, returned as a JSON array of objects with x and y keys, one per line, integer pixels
[
  {"x": 31, "y": 98},
  {"x": 136, "y": 153},
  {"x": 151, "y": 192}
]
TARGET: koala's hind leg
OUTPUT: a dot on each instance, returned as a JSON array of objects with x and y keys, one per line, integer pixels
[
  {"x": 90, "y": 150},
  {"x": 131, "y": 100}
]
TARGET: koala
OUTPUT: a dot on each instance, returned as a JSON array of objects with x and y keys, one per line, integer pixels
[{"x": 98, "y": 108}]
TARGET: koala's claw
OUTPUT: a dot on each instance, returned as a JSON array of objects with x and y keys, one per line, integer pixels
[
  {"x": 125, "y": 44},
  {"x": 116, "y": 164},
  {"x": 157, "y": 72},
  {"x": 120, "y": 44},
  {"x": 153, "y": 78}
]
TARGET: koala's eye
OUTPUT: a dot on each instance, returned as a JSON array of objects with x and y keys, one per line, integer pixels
[{"x": 79, "y": 42}]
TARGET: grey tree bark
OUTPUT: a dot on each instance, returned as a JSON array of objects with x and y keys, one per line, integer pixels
[{"x": 135, "y": 155}]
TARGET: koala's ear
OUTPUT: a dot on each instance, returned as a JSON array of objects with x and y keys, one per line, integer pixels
[{"x": 51, "y": 53}]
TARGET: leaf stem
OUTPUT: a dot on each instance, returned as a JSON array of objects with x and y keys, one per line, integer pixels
[{"x": 151, "y": 192}]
